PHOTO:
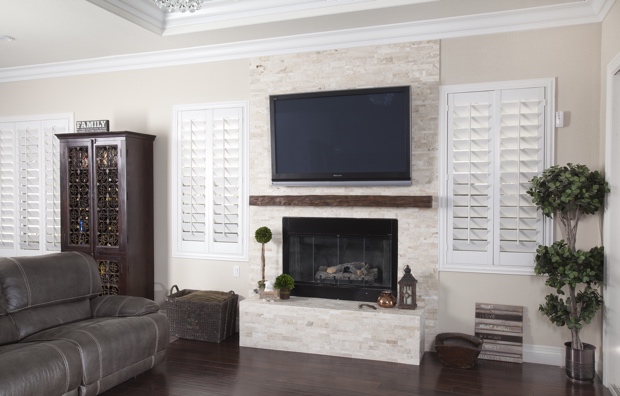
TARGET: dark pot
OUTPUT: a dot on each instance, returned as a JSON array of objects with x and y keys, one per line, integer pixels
[
  {"x": 580, "y": 363},
  {"x": 285, "y": 294}
]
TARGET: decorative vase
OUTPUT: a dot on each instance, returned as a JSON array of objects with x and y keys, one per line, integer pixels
[
  {"x": 285, "y": 294},
  {"x": 580, "y": 363},
  {"x": 386, "y": 299}
]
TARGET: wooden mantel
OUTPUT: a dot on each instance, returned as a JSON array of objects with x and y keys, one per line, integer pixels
[{"x": 385, "y": 201}]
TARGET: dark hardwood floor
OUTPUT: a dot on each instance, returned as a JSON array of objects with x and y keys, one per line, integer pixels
[{"x": 195, "y": 368}]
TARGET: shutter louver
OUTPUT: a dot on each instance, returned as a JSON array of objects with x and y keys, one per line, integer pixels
[
  {"x": 470, "y": 141},
  {"x": 7, "y": 186},
  {"x": 521, "y": 158},
  {"x": 29, "y": 185}
]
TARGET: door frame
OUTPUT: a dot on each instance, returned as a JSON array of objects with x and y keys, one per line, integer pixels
[{"x": 612, "y": 75}]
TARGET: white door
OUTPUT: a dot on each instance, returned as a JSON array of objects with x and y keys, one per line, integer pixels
[{"x": 611, "y": 329}]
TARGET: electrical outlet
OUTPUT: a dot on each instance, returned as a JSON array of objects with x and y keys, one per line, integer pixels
[{"x": 236, "y": 271}]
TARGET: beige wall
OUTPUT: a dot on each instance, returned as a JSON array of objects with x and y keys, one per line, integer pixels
[
  {"x": 142, "y": 101},
  {"x": 572, "y": 55}
]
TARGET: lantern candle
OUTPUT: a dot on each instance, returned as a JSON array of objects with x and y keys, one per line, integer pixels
[{"x": 407, "y": 291}]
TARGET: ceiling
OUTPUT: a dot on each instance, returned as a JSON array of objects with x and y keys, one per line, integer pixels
[{"x": 54, "y": 38}]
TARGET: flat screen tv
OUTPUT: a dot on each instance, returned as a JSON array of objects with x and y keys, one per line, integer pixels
[{"x": 349, "y": 137}]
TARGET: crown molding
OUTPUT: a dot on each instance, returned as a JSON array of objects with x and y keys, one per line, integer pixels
[
  {"x": 591, "y": 11},
  {"x": 222, "y": 14}
]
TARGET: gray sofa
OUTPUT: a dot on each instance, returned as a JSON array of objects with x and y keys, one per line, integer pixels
[{"x": 59, "y": 337}]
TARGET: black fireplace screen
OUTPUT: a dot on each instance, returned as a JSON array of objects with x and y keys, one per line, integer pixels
[{"x": 341, "y": 258}]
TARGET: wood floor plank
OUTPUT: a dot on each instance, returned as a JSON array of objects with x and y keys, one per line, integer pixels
[{"x": 194, "y": 368}]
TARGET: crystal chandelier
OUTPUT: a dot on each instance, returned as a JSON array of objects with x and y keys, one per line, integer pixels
[{"x": 181, "y": 5}]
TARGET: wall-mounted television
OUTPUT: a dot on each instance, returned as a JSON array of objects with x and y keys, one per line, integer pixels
[{"x": 347, "y": 137}]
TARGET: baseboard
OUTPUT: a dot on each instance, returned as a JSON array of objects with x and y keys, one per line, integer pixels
[
  {"x": 615, "y": 390},
  {"x": 553, "y": 356}
]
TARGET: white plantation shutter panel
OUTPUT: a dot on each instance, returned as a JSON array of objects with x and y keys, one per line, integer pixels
[
  {"x": 210, "y": 177},
  {"x": 470, "y": 123},
  {"x": 194, "y": 142},
  {"x": 496, "y": 142},
  {"x": 52, "y": 181},
  {"x": 226, "y": 178},
  {"x": 29, "y": 185},
  {"x": 7, "y": 186},
  {"x": 521, "y": 157}
]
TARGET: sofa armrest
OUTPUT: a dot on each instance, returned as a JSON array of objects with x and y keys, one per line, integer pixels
[{"x": 105, "y": 306}]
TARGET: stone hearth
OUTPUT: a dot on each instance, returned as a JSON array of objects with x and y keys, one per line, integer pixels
[{"x": 333, "y": 327}]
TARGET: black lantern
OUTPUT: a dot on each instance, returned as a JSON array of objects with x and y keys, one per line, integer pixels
[{"x": 406, "y": 291}]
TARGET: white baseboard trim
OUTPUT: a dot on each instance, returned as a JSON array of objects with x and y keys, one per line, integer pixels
[
  {"x": 553, "y": 356},
  {"x": 614, "y": 389}
]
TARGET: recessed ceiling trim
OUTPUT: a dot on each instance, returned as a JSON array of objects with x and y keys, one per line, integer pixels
[
  {"x": 536, "y": 18},
  {"x": 221, "y": 14}
]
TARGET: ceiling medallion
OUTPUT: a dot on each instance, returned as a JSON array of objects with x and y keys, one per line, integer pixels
[{"x": 181, "y": 5}]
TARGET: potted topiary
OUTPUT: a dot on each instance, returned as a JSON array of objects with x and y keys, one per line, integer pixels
[
  {"x": 285, "y": 283},
  {"x": 263, "y": 235},
  {"x": 567, "y": 193}
]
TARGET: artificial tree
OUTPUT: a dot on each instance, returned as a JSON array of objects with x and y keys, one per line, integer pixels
[
  {"x": 567, "y": 193},
  {"x": 263, "y": 235}
]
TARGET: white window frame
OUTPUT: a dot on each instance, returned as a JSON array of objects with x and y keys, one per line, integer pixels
[
  {"x": 207, "y": 249},
  {"x": 444, "y": 229},
  {"x": 45, "y": 208}
]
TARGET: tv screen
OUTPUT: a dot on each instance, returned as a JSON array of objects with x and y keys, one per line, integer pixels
[{"x": 350, "y": 137}]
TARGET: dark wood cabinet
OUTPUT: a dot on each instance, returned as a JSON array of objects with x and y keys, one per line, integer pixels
[{"x": 106, "y": 181}]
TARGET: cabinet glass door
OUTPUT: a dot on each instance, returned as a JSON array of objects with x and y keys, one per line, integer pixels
[
  {"x": 79, "y": 182},
  {"x": 111, "y": 270},
  {"x": 107, "y": 199}
]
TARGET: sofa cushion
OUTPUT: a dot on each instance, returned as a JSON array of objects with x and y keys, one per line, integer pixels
[
  {"x": 8, "y": 330},
  {"x": 110, "y": 344},
  {"x": 122, "y": 306},
  {"x": 33, "y": 320},
  {"x": 51, "y": 368},
  {"x": 28, "y": 282}
]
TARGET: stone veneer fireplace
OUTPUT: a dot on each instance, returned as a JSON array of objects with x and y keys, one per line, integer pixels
[
  {"x": 341, "y": 258},
  {"x": 411, "y": 63}
]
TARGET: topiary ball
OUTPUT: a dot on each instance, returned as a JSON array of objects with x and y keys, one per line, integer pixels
[{"x": 263, "y": 235}]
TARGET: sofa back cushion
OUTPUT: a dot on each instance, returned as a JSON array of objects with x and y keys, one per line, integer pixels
[{"x": 60, "y": 280}]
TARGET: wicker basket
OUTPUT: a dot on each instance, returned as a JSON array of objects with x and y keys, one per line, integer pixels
[{"x": 201, "y": 315}]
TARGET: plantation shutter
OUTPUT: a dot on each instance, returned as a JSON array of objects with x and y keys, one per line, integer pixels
[
  {"x": 226, "y": 179},
  {"x": 495, "y": 146},
  {"x": 30, "y": 185},
  {"x": 470, "y": 141},
  {"x": 194, "y": 142},
  {"x": 52, "y": 181},
  {"x": 521, "y": 157},
  {"x": 211, "y": 186},
  {"x": 7, "y": 186}
]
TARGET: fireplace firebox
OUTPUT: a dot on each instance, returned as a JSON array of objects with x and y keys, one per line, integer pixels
[{"x": 341, "y": 258}]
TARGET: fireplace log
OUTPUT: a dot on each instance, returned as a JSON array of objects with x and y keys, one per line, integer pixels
[{"x": 354, "y": 272}]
